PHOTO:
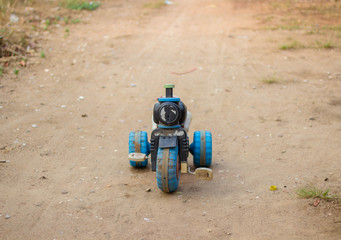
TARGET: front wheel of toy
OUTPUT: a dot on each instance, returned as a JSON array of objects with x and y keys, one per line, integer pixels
[
  {"x": 167, "y": 169},
  {"x": 138, "y": 143},
  {"x": 201, "y": 149}
]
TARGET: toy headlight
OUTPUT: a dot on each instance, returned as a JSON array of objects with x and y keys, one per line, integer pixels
[{"x": 169, "y": 113}]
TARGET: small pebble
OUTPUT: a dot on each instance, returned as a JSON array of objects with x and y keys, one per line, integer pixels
[
  {"x": 148, "y": 190},
  {"x": 7, "y": 216},
  {"x": 34, "y": 125}
]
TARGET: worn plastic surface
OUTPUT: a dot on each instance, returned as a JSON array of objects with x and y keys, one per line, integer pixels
[
  {"x": 204, "y": 173},
  {"x": 138, "y": 143},
  {"x": 201, "y": 148},
  {"x": 137, "y": 157},
  {"x": 167, "y": 169}
]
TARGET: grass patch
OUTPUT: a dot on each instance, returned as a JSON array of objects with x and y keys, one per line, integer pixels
[
  {"x": 5, "y": 5},
  {"x": 292, "y": 45},
  {"x": 12, "y": 42},
  {"x": 154, "y": 5},
  {"x": 75, "y": 21},
  {"x": 325, "y": 45},
  {"x": 81, "y": 5},
  {"x": 270, "y": 80},
  {"x": 42, "y": 54},
  {"x": 314, "y": 192},
  {"x": 1, "y": 70},
  {"x": 16, "y": 72},
  {"x": 336, "y": 28},
  {"x": 47, "y": 24}
]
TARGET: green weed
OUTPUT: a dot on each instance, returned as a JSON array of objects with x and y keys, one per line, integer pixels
[
  {"x": 16, "y": 71},
  {"x": 81, "y": 5},
  {"x": 332, "y": 27},
  {"x": 74, "y": 21},
  {"x": 66, "y": 20},
  {"x": 47, "y": 24},
  {"x": 292, "y": 45},
  {"x": 326, "y": 45},
  {"x": 42, "y": 54},
  {"x": 154, "y": 5},
  {"x": 313, "y": 192},
  {"x": 270, "y": 80},
  {"x": 1, "y": 70}
]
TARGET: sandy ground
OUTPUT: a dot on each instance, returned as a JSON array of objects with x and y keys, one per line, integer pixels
[{"x": 68, "y": 176}]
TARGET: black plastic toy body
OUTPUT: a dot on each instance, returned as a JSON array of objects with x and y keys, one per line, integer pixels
[{"x": 169, "y": 144}]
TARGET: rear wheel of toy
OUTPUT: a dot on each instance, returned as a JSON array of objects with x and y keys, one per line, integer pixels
[
  {"x": 138, "y": 143},
  {"x": 167, "y": 169},
  {"x": 201, "y": 148}
]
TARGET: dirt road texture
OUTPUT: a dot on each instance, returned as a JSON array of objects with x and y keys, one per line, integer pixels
[{"x": 275, "y": 116}]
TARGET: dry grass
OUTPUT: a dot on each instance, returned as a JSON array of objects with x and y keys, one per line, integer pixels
[{"x": 270, "y": 80}]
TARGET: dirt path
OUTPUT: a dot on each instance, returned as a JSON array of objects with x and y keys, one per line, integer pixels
[{"x": 69, "y": 177}]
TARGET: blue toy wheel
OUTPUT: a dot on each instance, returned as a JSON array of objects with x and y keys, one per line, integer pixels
[
  {"x": 138, "y": 143},
  {"x": 167, "y": 169},
  {"x": 201, "y": 148}
]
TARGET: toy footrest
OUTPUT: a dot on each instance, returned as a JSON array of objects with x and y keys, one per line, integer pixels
[
  {"x": 204, "y": 173},
  {"x": 137, "y": 157}
]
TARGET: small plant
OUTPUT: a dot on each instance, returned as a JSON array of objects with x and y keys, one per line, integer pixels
[
  {"x": 292, "y": 45},
  {"x": 16, "y": 72},
  {"x": 328, "y": 45},
  {"x": 1, "y": 70},
  {"x": 74, "y": 21},
  {"x": 154, "y": 5},
  {"x": 270, "y": 80},
  {"x": 42, "y": 54},
  {"x": 47, "y": 24},
  {"x": 313, "y": 192},
  {"x": 81, "y": 5},
  {"x": 66, "y": 20},
  {"x": 67, "y": 32}
]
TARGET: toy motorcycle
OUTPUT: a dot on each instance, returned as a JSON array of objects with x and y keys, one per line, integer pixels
[{"x": 169, "y": 144}]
